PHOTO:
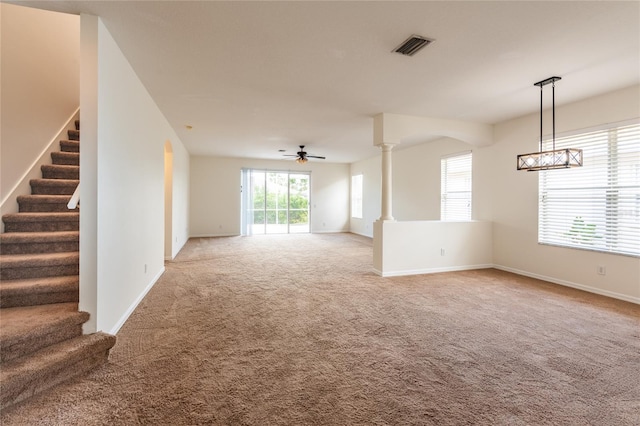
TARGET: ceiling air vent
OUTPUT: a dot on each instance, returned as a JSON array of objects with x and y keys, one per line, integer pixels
[{"x": 411, "y": 45}]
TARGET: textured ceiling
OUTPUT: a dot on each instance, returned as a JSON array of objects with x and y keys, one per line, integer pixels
[{"x": 256, "y": 77}]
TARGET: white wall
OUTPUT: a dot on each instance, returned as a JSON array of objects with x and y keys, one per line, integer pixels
[
  {"x": 39, "y": 85},
  {"x": 515, "y": 200},
  {"x": 215, "y": 193},
  {"x": 416, "y": 178},
  {"x": 371, "y": 171},
  {"x": 427, "y": 246},
  {"x": 128, "y": 132}
]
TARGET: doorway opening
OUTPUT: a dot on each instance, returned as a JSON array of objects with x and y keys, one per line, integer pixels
[
  {"x": 275, "y": 202},
  {"x": 168, "y": 201}
]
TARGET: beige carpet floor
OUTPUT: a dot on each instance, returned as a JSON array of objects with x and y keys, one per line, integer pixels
[{"x": 297, "y": 330}]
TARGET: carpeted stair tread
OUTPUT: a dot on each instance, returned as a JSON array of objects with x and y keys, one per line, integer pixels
[
  {"x": 33, "y": 265},
  {"x": 22, "y": 378},
  {"x": 43, "y": 203},
  {"x": 69, "y": 158},
  {"x": 38, "y": 259},
  {"x": 41, "y": 221},
  {"x": 53, "y": 186},
  {"x": 27, "y": 329},
  {"x": 39, "y": 242},
  {"x": 39, "y": 291},
  {"x": 41, "y": 216},
  {"x": 38, "y": 237},
  {"x": 74, "y": 135},
  {"x": 60, "y": 171},
  {"x": 69, "y": 146}
]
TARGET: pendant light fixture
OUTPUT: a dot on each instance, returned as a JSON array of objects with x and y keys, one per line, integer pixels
[{"x": 556, "y": 158}]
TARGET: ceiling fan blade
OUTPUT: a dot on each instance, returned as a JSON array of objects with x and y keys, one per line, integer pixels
[{"x": 315, "y": 156}]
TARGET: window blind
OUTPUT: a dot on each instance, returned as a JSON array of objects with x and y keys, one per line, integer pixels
[
  {"x": 597, "y": 206},
  {"x": 455, "y": 183}
]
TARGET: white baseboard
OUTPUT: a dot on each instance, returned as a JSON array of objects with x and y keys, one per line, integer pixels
[
  {"x": 431, "y": 270},
  {"x": 571, "y": 284},
  {"x": 135, "y": 303},
  {"x": 213, "y": 235}
]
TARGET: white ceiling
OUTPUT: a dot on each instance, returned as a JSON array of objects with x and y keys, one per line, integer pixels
[{"x": 256, "y": 77}]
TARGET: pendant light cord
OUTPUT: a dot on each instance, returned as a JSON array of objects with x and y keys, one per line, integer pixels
[
  {"x": 540, "y": 118},
  {"x": 553, "y": 108}
]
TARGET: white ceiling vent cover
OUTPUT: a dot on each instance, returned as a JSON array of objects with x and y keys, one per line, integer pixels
[{"x": 411, "y": 45}]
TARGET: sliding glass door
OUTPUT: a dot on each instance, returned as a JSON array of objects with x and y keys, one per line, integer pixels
[{"x": 274, "y": 202}]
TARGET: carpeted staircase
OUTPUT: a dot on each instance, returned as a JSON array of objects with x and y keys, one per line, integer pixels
[{"x": 41, "y": 340}]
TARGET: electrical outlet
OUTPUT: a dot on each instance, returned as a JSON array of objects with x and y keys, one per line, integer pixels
[
  {"x": 602, "y": 270},
  {"x": 441, "y": 252},
  {"x": 145, "y": 268}
]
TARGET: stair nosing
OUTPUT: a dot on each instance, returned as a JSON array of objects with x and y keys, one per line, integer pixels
[
  {"x": 43, "y": 236},
  {"x": 29, "y": 331},
  {"x": 38, "y": 260},
  {"x": 59, "y": 352},
  {"x": 70, "y": 216}
]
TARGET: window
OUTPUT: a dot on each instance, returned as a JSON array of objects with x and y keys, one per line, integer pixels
[
  {"x": 356, "y": 196},
  {"x": 455, "y": 184},
  {"x": 274, "y": 202},
  {"x": 597, "y": 206}
]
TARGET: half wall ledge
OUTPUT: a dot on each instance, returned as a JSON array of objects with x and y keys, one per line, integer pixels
[{"x": 422, "y": 247}]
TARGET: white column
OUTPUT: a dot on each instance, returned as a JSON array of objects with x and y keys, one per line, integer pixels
[{"x": 386, "y": 182}]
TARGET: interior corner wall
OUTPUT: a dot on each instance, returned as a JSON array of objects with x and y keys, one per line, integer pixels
[
  {"x": 129, "y": 172},
  {"x": 371, "y": 171},
  {"x": 416, "y": 183},
  {"x": 515, "y": 202},
  {"x": 180, "y": 198},
  {"x": 416, "y": 178},
  {"x": 215, "y": 194},
  {"x": 39, "y": 82}
]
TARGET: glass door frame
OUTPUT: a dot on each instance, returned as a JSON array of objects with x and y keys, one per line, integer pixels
[{"x": 247, "y": 201}]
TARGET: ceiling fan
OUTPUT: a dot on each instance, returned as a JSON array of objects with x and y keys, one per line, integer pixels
[{"x": 302, "y": 157}]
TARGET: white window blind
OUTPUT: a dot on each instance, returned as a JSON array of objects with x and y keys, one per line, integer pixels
[
  {"x": 455, "y": 183},
  {"x": 356, "y": 196},
  {"x": 597, "y": 206}
]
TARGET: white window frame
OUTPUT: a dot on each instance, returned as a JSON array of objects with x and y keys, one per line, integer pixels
[
  {"x": 456, "y": 186},
  {"x": 357, "y": 184},
  {"x": 595, "y": 207}
]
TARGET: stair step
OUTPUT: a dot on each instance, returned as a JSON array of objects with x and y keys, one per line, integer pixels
[
  {"x": 26, "y": 377},
  {"x": 68, "y": 158},
  {"x": 23, "y": 266},
  {"x": 77, "y": 123},
  {"x": 39, "y": 242},
  {"x": 69, "y": 146},
  {"x": 60, "y": 171},
  {"x": 74, "y": 135},
  {"x": 53, "y": 186},
  {"x": 41, "y": 222},
  {"x": 39, "y": 291},
  {"x": 44, "y": 203},
  {"x": 27, "y": 329}
]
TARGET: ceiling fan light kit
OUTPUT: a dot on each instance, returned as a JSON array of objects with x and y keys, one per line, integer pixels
[
  {"x": 302, "y": 156},
  {"x": 556, "y": 158}
]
